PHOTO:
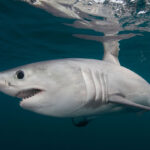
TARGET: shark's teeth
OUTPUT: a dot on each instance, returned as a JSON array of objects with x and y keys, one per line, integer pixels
[{"x": 25, "y": 94}]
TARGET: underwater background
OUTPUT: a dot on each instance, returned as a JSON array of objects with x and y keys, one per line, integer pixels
[{"x": 29, "y": 34}]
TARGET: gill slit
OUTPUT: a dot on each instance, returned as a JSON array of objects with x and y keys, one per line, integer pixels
[
  {"x": 104, "y": 87},
  {"x": 89, "y": 84},
  {"x": 83, "y": 77},
  {"x": 96, "y": 85}
]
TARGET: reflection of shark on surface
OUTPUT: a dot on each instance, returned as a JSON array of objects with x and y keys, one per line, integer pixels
[
  {"x": 78, "y": 88},
  {"x": 84, "y": 12},
  {"x": 107, "y": 16}
]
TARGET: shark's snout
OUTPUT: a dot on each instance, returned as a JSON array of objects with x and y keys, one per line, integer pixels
[
  {"x": 5, "y": 85},
  {"x": 3, "y": 82},
  {"x": 8, "y": 83}
]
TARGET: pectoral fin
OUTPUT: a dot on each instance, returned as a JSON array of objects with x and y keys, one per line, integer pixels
[
  {"x": 123, "y": 101},
  {"x": 82, "y": 121}
]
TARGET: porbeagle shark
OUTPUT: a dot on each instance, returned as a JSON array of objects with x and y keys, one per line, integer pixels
[
  {"x": 78, "y": 88},
  {"x": 81, "y": 89}
]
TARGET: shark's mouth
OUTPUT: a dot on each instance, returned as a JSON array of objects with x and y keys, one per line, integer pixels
[{"x": 25, "y": 94}]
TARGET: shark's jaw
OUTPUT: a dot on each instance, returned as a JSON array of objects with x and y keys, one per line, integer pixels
[{"x": 29, "y": 93}]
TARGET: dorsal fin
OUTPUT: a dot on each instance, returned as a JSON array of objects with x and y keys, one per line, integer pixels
[
  {"x": 110, "y": 43},
  {"x": 111, "y": 51}
]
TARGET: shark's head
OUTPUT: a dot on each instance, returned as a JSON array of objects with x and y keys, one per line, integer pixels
[
  {"x": 48, "y": 88},
  {"x": 26, "y": 82}
]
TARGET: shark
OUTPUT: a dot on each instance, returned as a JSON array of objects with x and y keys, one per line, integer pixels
[{"x": 78, "y": 88}]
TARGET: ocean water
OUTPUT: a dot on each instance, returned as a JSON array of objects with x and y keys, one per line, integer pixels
[{"x": 29, "y": 34}]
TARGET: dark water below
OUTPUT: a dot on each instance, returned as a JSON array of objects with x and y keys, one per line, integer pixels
[{"x": 28, "y": 35}]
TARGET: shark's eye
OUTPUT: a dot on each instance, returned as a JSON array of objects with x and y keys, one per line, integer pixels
[{"x": 20, "y": 74}]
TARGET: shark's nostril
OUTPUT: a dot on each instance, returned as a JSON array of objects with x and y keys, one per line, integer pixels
[
  {"x": 6, "y": 83},
  {"x": 32, "y": 1},
  {"x": 9, "y": 84}
]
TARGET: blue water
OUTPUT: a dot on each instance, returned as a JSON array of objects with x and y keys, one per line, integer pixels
[{"x": 29, "y": 35}]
